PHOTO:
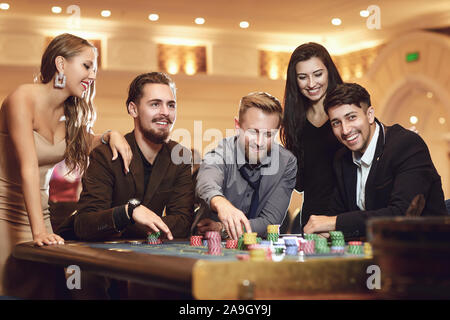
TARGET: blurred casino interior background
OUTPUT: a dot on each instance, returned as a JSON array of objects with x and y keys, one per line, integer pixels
[{"x": 218, "y": 51}]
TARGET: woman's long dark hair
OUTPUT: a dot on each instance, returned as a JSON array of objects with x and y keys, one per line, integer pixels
[{"x": 295, "y": 103}]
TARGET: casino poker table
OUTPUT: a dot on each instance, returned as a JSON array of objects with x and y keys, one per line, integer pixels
[{"x": 176, "y": 266}]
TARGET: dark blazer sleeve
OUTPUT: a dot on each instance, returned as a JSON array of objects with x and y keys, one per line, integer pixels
[
  {"x": 338, "y": 203},
  {"x": 406, "y": 172},
  {"x": 180, "y": 207},
  {"x": 94, "y": 219}
]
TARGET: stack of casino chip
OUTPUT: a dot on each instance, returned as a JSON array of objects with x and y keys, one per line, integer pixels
[
  {"x": 279, "y": 246},
  {"x": 241, "y": 245},
  {"x": 336, "y": 236},
  {"x": 337, "y": 242},
  {"x": 278, "y": 249},
  {"x": 196, "y": 241},
  {"x": 355, "y": 247},
  {"x": 340, "y": 250},
  {"x": 367, "y": 249},
  {"x": 308, "y": 247},
  {"x": 301, "y": 244},
  {"x": 310, "y": 243},
  {"x": 249, "y": 239},
  {"x": 260, "y": 252},
  {"x": 273, "y": 232},
  {"x": 153, "y": 238},
  {"x": 214, "y": 242},
  {"x": 310, "y": 236},
  {"x": 321, "y": 245},
  {"x": 291, "y": 244},
  {"x": 231, "y": 244}
]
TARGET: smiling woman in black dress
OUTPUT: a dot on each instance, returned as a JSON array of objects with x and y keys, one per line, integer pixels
[{"x": 306, "y": 131}]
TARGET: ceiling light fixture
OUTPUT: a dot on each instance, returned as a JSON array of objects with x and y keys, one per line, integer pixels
[
  {"x": 56, "y": 10},
  {"x": 106, "y": 13},
  {"x": 4, "y": 6},
  {"x": 153, "y": 17},
  {"x": 336, "y": 21},
  {"x": 199, "y": 20},
  {"x": 244, "y": 24},
  {"x": 364, "y": 13}
]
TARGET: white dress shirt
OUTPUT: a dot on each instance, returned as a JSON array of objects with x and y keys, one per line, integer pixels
[{"x": 364, "y": 163}]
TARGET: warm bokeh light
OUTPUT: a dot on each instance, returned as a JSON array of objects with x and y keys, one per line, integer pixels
[
  {"x": 172, "y": 67},
  {"x": 442, "y": 120},
  {"x": 244, "y": 24},
  {"x": 175, "y": 59},
  {"x": 346, "y": 75},
  {"x": 56, "y": 10},
  {"x": 273, "y": 72},
  {"x": 364, "y": 13},
  {"x": 153, "y": 17},
  {"x": 336, "y": 21},
  {"x": 106, "y": 13},
  {"x": 199, "y": 20},
  {"x": 413, "y": 119},
  {"x": 189, "y": 67},
  {"x": 273, "y": 64},
  {"x": 358, "y": 71},
  {"x": 4, "y": 6}
]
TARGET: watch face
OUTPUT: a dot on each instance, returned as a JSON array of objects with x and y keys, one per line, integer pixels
[{"x": 134, "y": 202}]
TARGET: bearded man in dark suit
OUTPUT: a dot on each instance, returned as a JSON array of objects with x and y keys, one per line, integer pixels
[{"x": 115, "y": 203}]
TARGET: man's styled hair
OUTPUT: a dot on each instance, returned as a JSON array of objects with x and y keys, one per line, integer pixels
[
  {"x": 135, "y": 90},
  {"x": 347, "y": 93},
  {"x": 263, "y": 101}
]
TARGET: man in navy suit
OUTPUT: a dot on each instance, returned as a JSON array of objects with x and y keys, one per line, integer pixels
[{"x": 380, "y": 170}]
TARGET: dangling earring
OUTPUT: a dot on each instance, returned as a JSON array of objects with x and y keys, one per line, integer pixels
[{"x": 60, "y": 80}]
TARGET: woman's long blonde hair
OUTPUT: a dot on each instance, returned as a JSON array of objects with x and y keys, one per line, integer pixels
[{"x": 79, "y": 112}]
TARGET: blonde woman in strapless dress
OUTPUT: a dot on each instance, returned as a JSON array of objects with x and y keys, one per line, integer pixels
[{"x": 40, "y": 125}]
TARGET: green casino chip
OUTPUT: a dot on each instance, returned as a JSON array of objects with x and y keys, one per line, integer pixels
[{"x": 154, "y": 235}]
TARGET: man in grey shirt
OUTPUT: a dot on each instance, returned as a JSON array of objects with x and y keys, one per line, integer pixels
[{"x": 248, "y": 179}]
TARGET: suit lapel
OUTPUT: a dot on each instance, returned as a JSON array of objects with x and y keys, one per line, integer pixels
[
  {"x": 136, "y": 167},
  {"x": 350, "y": 179},
  {"x": 159, "y": 170},
  {"x": 370, "y": 183}
]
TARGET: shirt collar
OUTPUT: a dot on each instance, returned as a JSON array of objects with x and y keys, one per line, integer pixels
[{"x": 367, "y": 157}]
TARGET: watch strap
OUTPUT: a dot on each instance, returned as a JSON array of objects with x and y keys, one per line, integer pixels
[{"x": 130, "y": 210}]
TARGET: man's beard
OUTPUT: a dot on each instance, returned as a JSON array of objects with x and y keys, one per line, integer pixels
[{"x": 156, "y": 136}]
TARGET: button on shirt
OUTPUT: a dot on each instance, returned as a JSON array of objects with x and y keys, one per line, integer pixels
[{"x": 364, "y": 163}]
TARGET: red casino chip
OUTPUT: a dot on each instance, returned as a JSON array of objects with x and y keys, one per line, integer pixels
[
  {"x": 196, "y": 241},
  {"x": 231, "y": 244}
]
